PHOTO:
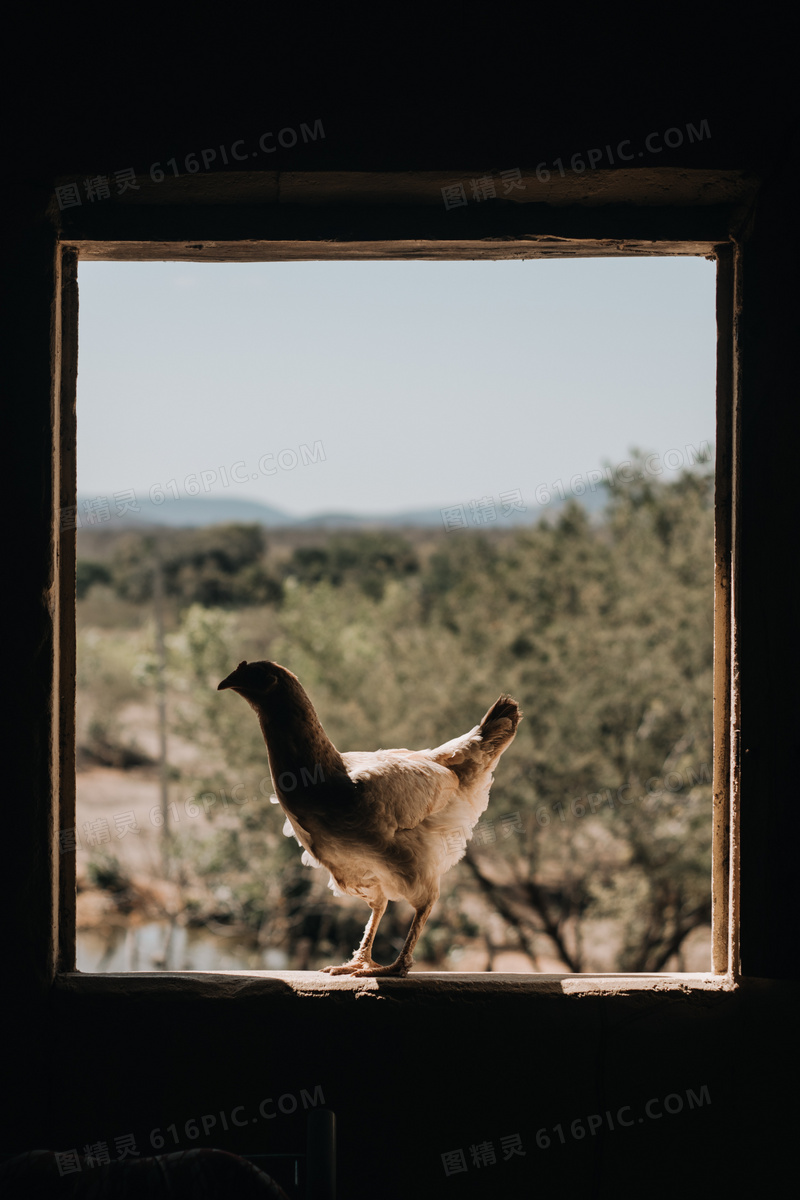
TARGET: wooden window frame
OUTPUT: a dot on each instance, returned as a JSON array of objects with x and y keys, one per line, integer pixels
[{"x": 359, "y": 217}]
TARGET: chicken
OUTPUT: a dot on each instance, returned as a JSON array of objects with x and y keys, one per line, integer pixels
[{"x": 386, "y": 824}]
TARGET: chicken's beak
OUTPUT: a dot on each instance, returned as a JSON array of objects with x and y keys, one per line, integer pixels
[{"x": 232, "y": 680}]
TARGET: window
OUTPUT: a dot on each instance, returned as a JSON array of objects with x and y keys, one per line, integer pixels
[{"x": 90, "y": 248}]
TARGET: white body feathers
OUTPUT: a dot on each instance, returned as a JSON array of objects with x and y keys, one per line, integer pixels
[{"x": 416, "y": 812}]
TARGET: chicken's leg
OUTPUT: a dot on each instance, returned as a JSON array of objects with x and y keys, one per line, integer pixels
[
  {"x": 400, "y": 966},
  {"x": 362, "y": 957}
]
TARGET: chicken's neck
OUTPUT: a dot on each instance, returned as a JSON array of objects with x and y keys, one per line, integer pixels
[{"x": 301, "y": 754}]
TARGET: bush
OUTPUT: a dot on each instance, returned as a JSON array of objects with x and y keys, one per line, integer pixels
[
  {"x": 220, "y": 566},
  {"x": 88, "y": 574}
]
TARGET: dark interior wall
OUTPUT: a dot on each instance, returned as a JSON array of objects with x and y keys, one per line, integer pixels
[{"x": 412, "y": 1074}]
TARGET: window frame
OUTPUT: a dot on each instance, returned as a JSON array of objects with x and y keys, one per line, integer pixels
[{"x": 696, "y": 225}]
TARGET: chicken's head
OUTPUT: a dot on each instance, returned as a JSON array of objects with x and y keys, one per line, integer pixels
[
  {"x": 272, "y": 690},
  {"x": 252, "y": 680}
]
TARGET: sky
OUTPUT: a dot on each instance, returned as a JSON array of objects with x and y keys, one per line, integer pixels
[{"x": 381, "y": 387}]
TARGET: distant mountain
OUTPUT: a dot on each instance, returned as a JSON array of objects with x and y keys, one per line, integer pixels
[
  {"x": 187, "y": 512},
  {"x": 197, "y": 511}
]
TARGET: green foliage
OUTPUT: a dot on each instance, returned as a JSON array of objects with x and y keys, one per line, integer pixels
[
  {"x": 88, "y": 574},
  {"x": 108, "y": 679},
  {"x": 368, "y": 559},
  {"x": 202, "y": 652},
  {"x": 602, "y": 629},
  {"x": 218, "y": 566}
]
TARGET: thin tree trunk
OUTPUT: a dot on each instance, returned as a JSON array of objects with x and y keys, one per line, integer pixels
[{"x": 161, "y": 694}]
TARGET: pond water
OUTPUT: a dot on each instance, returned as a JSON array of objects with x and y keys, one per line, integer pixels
[{"x": 167, "y": 946}]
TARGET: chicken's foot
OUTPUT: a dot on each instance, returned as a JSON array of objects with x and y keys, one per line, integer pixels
[
  {"x": 400, "y": 967},
  {"x": 354, "y": 967},
  {"x": 362, "y": 960}
]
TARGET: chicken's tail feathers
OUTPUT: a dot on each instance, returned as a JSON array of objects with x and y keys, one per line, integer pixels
[{"x": 499, "y": 725}]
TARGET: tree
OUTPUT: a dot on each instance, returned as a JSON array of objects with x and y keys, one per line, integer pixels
[
  {"x": 371, "y": 559},
  {"x": 88, "y": 574},
  {"x": 218, "y": 566},
  {"x": 613, "y": 760}
]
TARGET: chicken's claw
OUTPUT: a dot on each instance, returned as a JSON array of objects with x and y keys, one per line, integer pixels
[
  {"x": 396, "y": 970},
  {"x": 351, "y": 968}
]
